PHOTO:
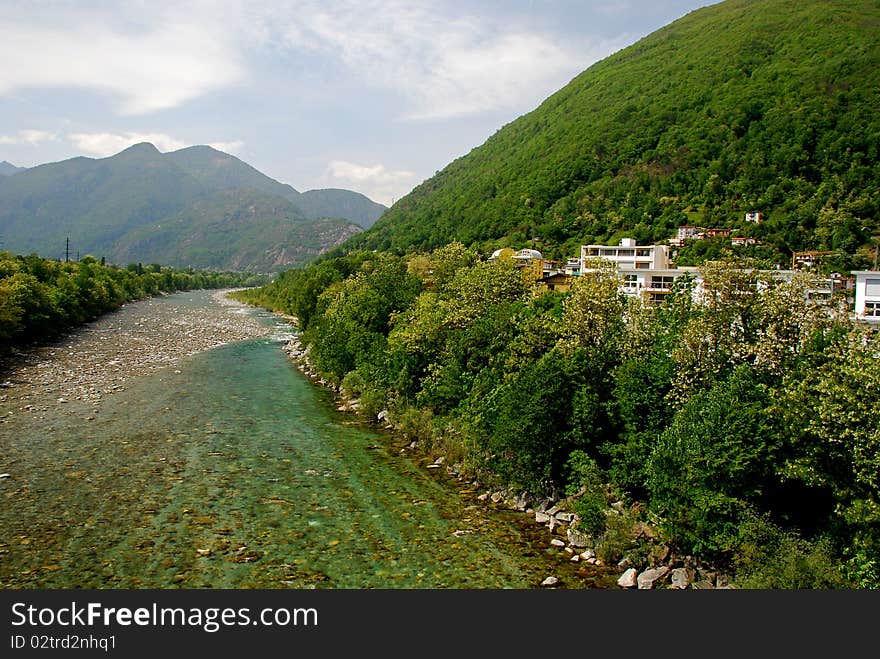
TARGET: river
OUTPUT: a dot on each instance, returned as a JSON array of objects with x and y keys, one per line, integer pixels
[{"x": 227, "y": 468}]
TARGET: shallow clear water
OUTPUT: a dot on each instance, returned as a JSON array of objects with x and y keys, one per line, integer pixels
[{"x": 236, "y": 472}]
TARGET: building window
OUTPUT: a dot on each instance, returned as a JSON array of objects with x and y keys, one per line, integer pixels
[
  {"x": 662, "y": 281},
  {"x": 872, "y": 309}
]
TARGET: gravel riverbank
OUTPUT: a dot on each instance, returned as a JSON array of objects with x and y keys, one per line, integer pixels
[{"x": 96, "y": 360}]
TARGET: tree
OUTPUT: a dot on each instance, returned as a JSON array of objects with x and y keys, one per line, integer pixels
[{"x": 711, "y": 464}]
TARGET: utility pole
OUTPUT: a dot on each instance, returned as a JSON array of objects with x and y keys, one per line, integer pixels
[{"x": 67, "y": 251}]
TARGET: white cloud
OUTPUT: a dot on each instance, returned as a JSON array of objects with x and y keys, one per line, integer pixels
[
  {"x": 178, "y": 55},
  {"x": 29, "y": 136},
  {"x": 441, "y": 61},
  {"x": 375, "y": 181},
  {"x": 107, "y": 144},
  {"x": 232, "y": 147},
  {"x": 442, "y": 65}
]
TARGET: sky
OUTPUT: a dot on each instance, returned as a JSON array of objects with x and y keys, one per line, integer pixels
[{"x": 369, "y": 95}]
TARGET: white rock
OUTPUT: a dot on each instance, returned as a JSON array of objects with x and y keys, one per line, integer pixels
[
  {"x": 682, "y": 577},
  {"x": 647, "y": 578},
  {"x": 628, "y": 578},
  {"x": 550, "y": 581}
]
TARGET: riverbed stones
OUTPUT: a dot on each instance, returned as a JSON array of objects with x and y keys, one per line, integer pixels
[
  {"x": 550, "y": 582},
  {"x": 649, "y": 577},
  {"x": 578, "y": 539},
  {"x": 147, "y": 335},
  {"x": 682, "y": 577}
]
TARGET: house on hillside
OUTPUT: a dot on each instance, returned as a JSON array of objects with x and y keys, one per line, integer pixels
[
  {"x": 754, "y": 216},
  {"x": 645, "y": 270},
  {"x": 867, "y": 297},
  {"x": 653, "y": 285},
  {"x": 573, "y": 267},
  {"x": 742, "y": 241},
  {"x": 528, "y": 261},
  {"x": 557, "y": 281},
  {"x": 808, "y": 259},
  {"x": 688, "y": 232}
]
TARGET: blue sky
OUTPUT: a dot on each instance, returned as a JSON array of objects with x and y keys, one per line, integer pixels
[{"x": 373, "y": 95}]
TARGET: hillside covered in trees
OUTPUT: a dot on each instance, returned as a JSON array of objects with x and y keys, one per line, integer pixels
[{"x": 745, "y": 105}]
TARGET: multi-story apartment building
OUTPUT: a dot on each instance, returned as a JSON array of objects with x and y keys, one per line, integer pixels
[{"x": 627, "y": 255}]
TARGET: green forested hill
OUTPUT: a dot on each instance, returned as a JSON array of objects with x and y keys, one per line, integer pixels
[
  {"x": 194, "y": 207},
  {"x": 240, "y": 229},
  {"x": 766, "y": 105}
]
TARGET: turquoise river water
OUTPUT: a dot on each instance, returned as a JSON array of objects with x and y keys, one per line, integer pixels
[{"x": 232, "y": 470}]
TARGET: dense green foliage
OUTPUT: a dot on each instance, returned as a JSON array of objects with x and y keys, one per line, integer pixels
[
  {"x": 41, "y": 298},
  {"x": 745, "y": 422},
  {"x": 196, "y": 207},
  {"x": 745, "y": 105}
]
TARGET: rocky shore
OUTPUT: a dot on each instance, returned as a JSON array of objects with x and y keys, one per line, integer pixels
[
  {"x": 98, "y": 359},
  {"x": 659, "y": 569}
]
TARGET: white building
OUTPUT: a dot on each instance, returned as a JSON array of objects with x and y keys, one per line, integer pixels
[
  {"x": 644, "y": 269},
  {"x": 867, "y": 302},
  {"x": 627, "y": 255},
  {"x": 653, "y": 284}
]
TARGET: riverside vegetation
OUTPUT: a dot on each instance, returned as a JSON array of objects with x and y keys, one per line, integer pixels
[
  {"x": 41, "y": 298},
  {"x": 742, "y": 432}
]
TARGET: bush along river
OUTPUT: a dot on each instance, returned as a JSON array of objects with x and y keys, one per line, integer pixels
[{"x": 172, "y": 444}]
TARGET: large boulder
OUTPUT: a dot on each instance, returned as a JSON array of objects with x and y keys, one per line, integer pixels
[{"x": 647, "y": 578}]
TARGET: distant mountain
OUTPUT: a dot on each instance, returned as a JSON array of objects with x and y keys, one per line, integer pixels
[
  {"x": 238, "y": 229},
  {"x": 8, "y": 169},
  {"x": 217, "y": 170},
  {"x": 193, "y": 207},
  {"x": 744, "y": 105},
  {"x": 333, "y": 202}
]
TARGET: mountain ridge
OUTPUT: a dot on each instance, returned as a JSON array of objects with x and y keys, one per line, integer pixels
[
  {"x": 108, "y": 206},
  {"x": 8, "y": 169}
]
